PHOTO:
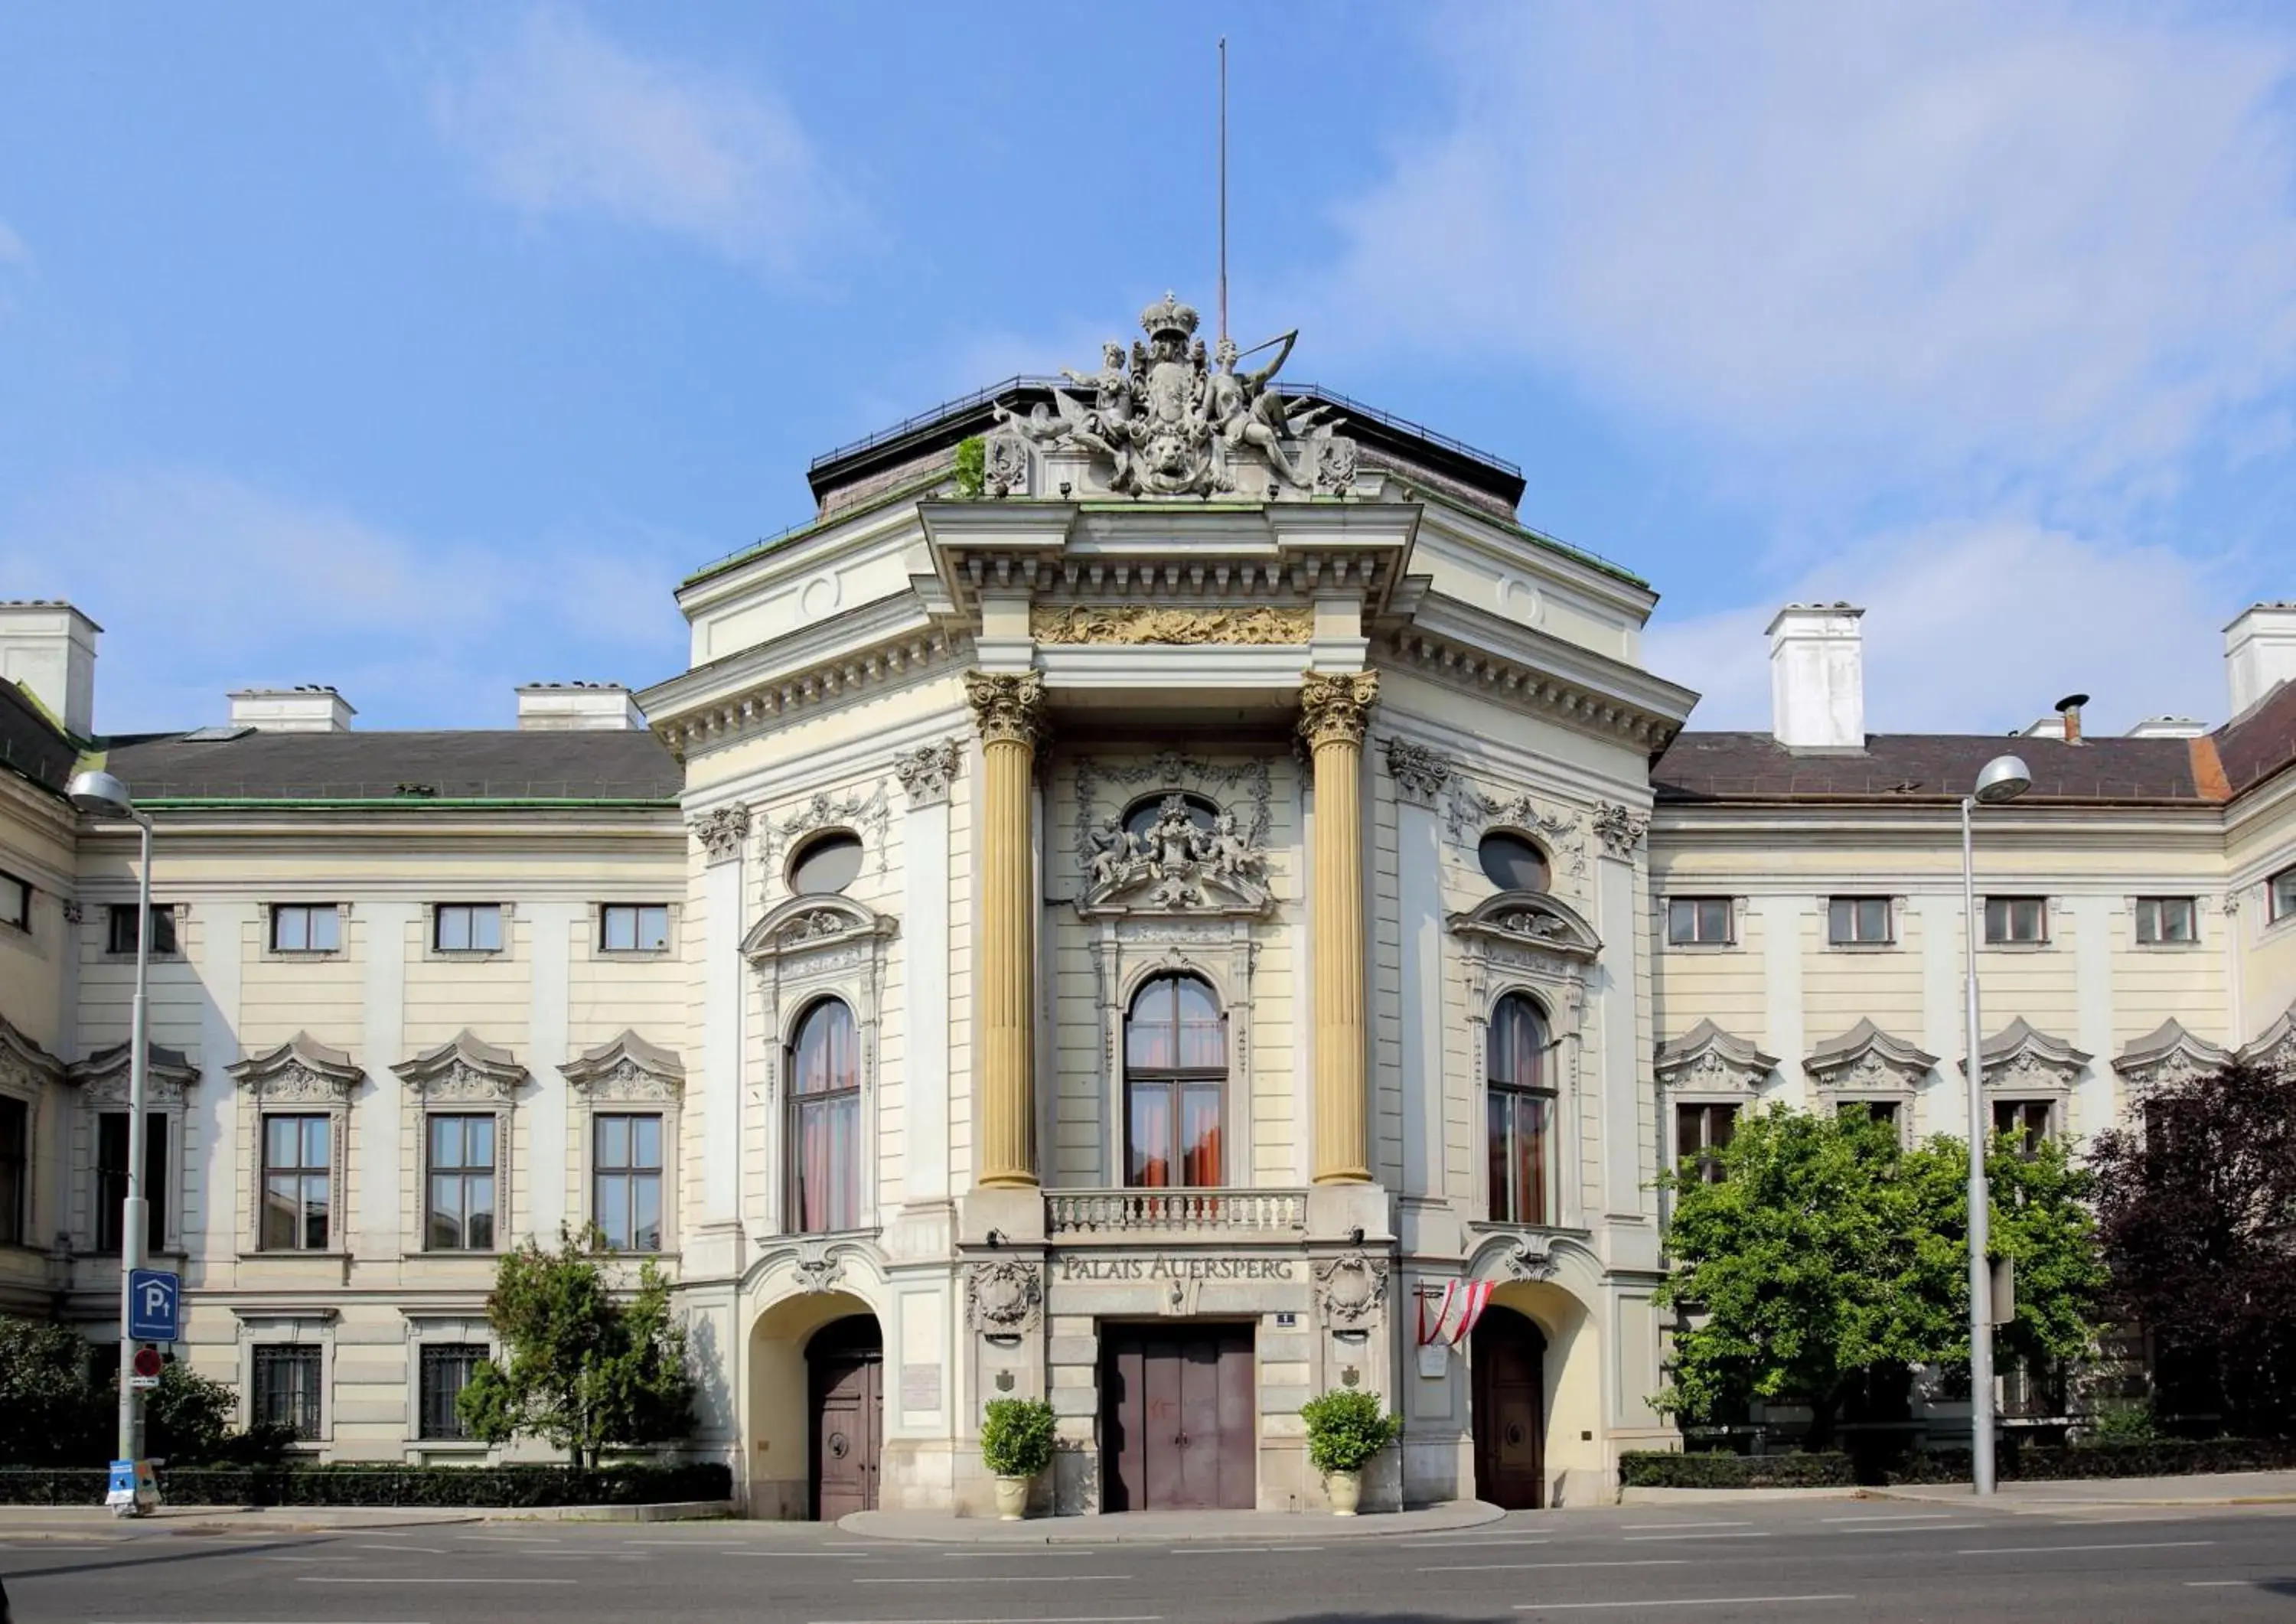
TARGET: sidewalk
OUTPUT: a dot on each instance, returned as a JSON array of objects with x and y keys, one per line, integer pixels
[
  {"x": 1170, "y": 1527},
  {"x": 79, "y": 1521},
  {"x": 2086, "y": 1494}
]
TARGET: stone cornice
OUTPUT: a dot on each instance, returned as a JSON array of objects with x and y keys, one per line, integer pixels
[
  {"x": 302, "y": 1068},
  {"x": 621, "y": 1060},
  {"x": 1867, "y": 1057},
  {"x": 465, "y": 1067},
  {"x": 2168, "y": 1053},
  {"x": 1706, "y": 1056},
  {"x": 163, "y": 1067},
  {"x": 2023, "y": 1056},
  {"x": 1529, "y": 919}
]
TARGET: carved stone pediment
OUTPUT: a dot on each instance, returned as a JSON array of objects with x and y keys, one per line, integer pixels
[
  {"x": 25, "y": 1065},
  {"x": 1177, "y": 866},
  {"x": 2276, "y": 1045},
  {"x": 103, "y": 1077},
  {"x": 1865, "y": 1059},
  {"x": 2169, "y": 1054},
  {"x": 1529, "y": 919},
  {"x": 816, "y": 926},
  {"x": 626, "y": 1067},
  {"x": 1351, "y": 1289},
  {"x": 464, "y": 1067},
  {"x": 2020, "y": 1057},
  {"x": 302, "y": 1069},
  {"x": 1707, "y": 1058}
]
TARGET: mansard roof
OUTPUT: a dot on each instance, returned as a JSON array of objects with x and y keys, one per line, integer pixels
[
  {"x": 32, "y": 746},
  {"x": 409, "y": 769}
]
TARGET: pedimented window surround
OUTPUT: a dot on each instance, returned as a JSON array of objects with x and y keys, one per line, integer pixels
[
  {"x": 103, "y": 1082},
  {"x": 2166, "y": 1056},
  {"x": 627, "y": 1073},
  {"x": 302, "y": 1077},
  {"x": 1867, "y": 1064},
  {"x": 1708, "y": 1063},
  {"x": 312, "y": 1325},
  {"x": 808, "y": 948},
  {"x": 2028, "y": 1064},
  {"x": 1529, "y": 942},
  {"x": 26, "y": 1070},
  {"x": 464, "y": 1076},
  {"x": 2275, "y": 1044}
]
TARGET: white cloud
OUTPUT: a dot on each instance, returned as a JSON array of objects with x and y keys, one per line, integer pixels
[
  {"x": 1979, "y": 628},
  {"x": 1949, "y": 236},
  {"x": 205, "y": 583},
  {"x": 560, "y": 119}
]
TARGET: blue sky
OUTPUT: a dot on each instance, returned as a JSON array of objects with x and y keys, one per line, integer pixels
[{"x": 422, "y": 348}]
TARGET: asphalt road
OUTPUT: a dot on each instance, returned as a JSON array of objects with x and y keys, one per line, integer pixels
[{"x": 1867, "y": 1560}]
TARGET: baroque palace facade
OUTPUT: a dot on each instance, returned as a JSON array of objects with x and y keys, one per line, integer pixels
[{"x": 1163, "y": 896}]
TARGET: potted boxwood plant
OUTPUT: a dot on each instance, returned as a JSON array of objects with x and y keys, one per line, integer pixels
[
  {"x": 1345, "y": 1427},
  {"x": 1016, "y": 1444}
]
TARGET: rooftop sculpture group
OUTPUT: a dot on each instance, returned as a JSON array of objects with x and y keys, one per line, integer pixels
[{"x": 1167, "y": 421}]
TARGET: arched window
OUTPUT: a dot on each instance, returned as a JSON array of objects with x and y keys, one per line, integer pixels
[
  {"x": 825, "y": 1121},
  {"x": 1144, "y": 814},
  {"x": 1519, "y": 1106},
  {"x": 1512, "y": 861},
  {"x": 825, "y": 865},
  {"x": 1174, "y": 1072}
]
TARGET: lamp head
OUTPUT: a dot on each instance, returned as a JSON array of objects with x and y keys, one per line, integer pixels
[
  {"x": 2003, "y": 778},
  {"x": 101, "y": 795}
]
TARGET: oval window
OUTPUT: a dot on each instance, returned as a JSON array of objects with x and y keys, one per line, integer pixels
[
  {"x": 1147, "y": 812},
  {"x": 1512, "y": 861},
  {"x": 826, "y": 865}
]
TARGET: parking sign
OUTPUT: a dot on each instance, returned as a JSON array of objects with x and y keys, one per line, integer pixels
[{"x": 155, "y": 1299}]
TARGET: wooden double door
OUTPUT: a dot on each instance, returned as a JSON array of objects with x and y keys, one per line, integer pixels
[
  {"x": 844, "y": 1378},
  {"x": 1179, "y": 1418},
  {"x": 1509, "y": 1359}
]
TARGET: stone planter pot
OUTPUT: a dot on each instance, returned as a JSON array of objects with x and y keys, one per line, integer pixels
[
  {"x": 1012, "y": 1499},
  {"x": 1346, "y": 1491}
]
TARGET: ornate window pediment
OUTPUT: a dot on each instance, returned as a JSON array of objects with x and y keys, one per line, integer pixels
[
  {"x": 302, "y": 1068},
  {"x": 1177, "y": 863},
  {"x": 2021, "y": 1059},
  {"x": 466, "y": 1068},
  {"x": 25, "y": 1067},
  {"x": 626, "y": 1067},
  {"x": 807, "y": 926},
  {"x": 2167, "y": 1054},
  {"x": 103, "y": 1077},
  {"x": 1708, "y": 1059},
  {"x": 1529, "y": 919},
  {"x": 1867, "y": 1060},
  {"x": 2276, "y": 1045}
]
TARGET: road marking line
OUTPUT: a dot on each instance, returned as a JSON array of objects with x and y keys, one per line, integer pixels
[
  {"x": 2223, "y": 1584},
  {"x": 1910, "y": 1517},
  {"x": 2039, "y": 1550},
  {"x": 1464, "y": 1544},
  {"x": 1921, "y": 1528},
  {"x": 1645, "y": 1538},
  {"x": 1633, "y": 1527},
  {"x": 995, "y": 1579},
  {"x": 1693, "y": 1600},
  {"x": 1541, "y": 1567},
  {"x": 427, "y": 1550},
  {"x": 331, "y": 1579}
]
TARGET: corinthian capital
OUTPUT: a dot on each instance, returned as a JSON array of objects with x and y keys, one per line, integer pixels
[
  {"x": 1335, "y": 706},
  {"x": 1009, "y": 709},
  {"x": 721, "y": 831}
]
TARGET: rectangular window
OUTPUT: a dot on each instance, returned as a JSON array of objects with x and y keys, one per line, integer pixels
[
  {"x": 15, "y": 902},
  {"x": 447, "y": 1370},
  {"x": 2016, "y": 919},
  {"x": 1698, "y": 922},
  {"x": 625, "y": 1168},
  {"x": 634, "y": 927},
  {"x": 1858, "y": 922},
  {"x": 2282, "y": 890},
  {"x": 111, "y": 1178},
  {"x": 1517, "y": 1129},
  {"x": 462, "y": 1152},
  {"x": 119, "y": 936},
  {"x": 466, "y": 927},
  {"x": 287, "y": 1387},
  {"x": 1884, "y": 1111},
  {"x": 2166, "y": 919},
  {"x": 306, "y": 927},
  {"x": 296, "y": 1183},
  {"x": 15, "y": 1171},
  {"x": 1700, "y": 1132},
  {"x": 2028, "y": 1120}
]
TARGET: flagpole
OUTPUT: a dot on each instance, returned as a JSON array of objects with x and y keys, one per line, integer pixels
[{"x": 1223, "y": 186}]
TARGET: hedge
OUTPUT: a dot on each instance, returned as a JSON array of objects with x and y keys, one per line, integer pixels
[
  {"x": 1664, "y": 1469},
  {"x": 2161, "y": 1458},
  {"x": 386, "y": 1485}
]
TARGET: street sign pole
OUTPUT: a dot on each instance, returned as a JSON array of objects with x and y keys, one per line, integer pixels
[{"x": 132, "y": 1218}]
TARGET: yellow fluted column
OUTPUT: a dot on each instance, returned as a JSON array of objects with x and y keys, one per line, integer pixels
[
  {"x": 1333, "y": 711},
  {"x": 1010, "y": 711}
]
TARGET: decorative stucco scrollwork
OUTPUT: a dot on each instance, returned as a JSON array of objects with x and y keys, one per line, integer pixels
[
  {"x": 1137, "y": 623},
  {"x": 1621, "y": 831},
  {"x": 1004, "y": 1298},
  {"x": 1351, "y": 1289},
  {"x": 866, "y": 815}
]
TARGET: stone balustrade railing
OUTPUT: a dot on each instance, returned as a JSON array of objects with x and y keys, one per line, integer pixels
[{"x": 1083, "y": 1215}]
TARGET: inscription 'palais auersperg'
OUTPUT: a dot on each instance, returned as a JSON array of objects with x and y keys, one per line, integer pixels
[{"x": 1158, "y": 1267}]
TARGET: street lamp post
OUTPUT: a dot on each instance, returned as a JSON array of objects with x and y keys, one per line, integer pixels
[
  {"x": 100, "y": 794},
  {"x": 2002, "y": 779}
]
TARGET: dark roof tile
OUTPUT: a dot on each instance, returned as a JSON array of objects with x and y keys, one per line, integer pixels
[
  {"x": 498, "y": 763},
  {"x": 1727, "y": 767}
]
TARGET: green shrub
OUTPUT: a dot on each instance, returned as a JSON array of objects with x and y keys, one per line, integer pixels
[
  {"x": 1345, "y": 1427},
  {"x": 2126, "y": 1424},
  {"x": 2164, "y": 1457},
  {"x": 1016, "y": 1437},
  {"x": 972, "y": 477},
  {"x": 389, "y": 1485},
  {"x": 1664, "y": 1469}
]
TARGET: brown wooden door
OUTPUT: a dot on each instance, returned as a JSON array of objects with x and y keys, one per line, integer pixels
[
  {"x": 1509, "y": 1356},
  {"x": 1176, "y": 1415},
  {"x": 844, "y": 1365}
]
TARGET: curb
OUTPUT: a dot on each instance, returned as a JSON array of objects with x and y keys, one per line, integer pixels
[
  {"x": 1109, "y": 1529},
  {"x": 1654, "y": 1496}
]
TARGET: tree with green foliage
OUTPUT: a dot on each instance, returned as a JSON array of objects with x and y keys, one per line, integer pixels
[
  {"x": 582, "y": 1371},
  {"x": 1826, "y": 1254},
  {"x": 53, "y": 1412}
]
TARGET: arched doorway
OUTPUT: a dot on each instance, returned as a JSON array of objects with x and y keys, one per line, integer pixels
[
  {"x": 1508, "y": 1357},
  {"x": 845, "y": 1365}
]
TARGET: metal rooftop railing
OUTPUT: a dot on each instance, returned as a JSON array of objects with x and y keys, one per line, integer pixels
[
  {"x": 945, "y": 409},
  {"x": 1356, "y": 408}
]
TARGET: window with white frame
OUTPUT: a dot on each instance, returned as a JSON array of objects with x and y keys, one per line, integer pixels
[
  {"x": 306, "y": 927},
  {"x": 1519, "y": 1113},
  {"x": 625, "y": 1179},
  {"x": 111, "y": 1178},
  {"x": 823, "y": 1133},
  {"x": 443, "y": 1369},
  {"x": 284, "y": 1390},
  {"x": 1859, "y": 921},
  {"x": 634, "y": 927},
  {"x": 298, "y": 1181},
  {"x": 459, "y": 1154},
  {"x": 15, "y": 1169},
  {"x": 2281, "y": 891},
  {"x": 466, "y": 927},
  {"x": 1698, "y": 922},
  {"x": 15, "y": 902},
  {"x": 2016, "y": 921},
  {"x": 2164, "y": 920}
]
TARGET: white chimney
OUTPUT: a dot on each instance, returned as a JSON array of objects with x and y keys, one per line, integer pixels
[
  {"x": 50, "y": 648},
  {"x": 2260, "y": 651},
  {"x": 308, "y": 708},
  {"x": 559, "y": 707},
  {"x": 2167, "y": 727},
  {"x": 1817, "y": 677}
]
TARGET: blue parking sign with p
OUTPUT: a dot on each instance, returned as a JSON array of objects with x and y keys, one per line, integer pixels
[{"x": 154, "y": 1306}]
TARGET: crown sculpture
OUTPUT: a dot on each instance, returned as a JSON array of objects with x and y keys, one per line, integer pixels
[{"x": 1168, "y": 421}]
